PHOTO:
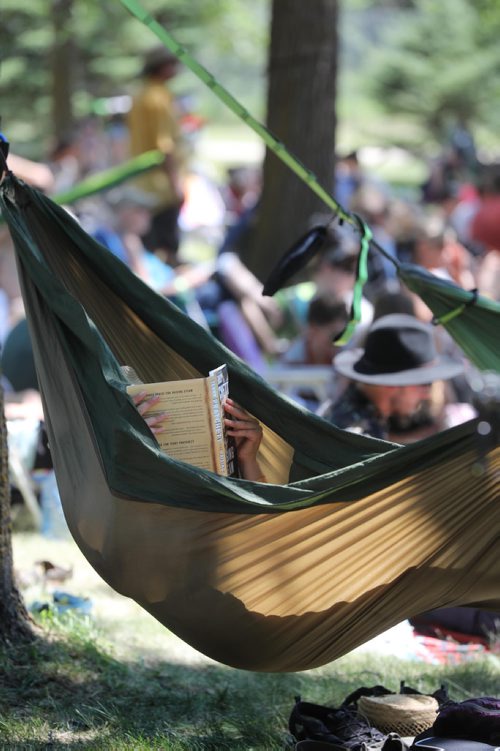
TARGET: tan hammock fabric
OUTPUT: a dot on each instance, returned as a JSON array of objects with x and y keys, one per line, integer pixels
[{"x": 278, "y": 577}]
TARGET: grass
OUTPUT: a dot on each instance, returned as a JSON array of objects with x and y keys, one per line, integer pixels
[{"x": 118, "y": 681}]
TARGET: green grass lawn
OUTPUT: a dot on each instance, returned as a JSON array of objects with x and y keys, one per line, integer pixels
[{"x": 118, "y": 680}]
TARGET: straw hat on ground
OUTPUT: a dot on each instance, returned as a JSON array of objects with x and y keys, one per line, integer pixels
[{"x": 405, "y": 714}]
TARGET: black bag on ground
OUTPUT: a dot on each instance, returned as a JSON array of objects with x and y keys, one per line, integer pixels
[
  {"x": 344, "y": 728},
  {"x": 465, "y": 725}
]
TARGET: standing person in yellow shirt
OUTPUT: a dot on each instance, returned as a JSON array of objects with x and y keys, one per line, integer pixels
[{"x": 154, "y": 125}]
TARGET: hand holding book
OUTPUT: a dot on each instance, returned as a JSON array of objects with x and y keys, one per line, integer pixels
[
  {"x": 245, "y": 430},
  {"x": 195, "y": 421},
  {"x": 144, "y": 402},
  {"x": 247, "y": 434}
]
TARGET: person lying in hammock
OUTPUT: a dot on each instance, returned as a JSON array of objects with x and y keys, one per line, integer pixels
[{"x": 245, "y": 430}]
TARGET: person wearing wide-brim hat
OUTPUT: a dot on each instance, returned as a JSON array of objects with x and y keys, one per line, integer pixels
[{"x": 390, "y": 376}]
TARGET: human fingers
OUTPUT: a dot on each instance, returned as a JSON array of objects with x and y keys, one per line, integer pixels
[
  {"x": 249, "y": 435},
  {"x": 155, "y": 419},
  {"x": 235, "y": 409},
  {"x": 243, "y": 430},
  {"x": 155, "y": 422},
  {"x": 144, "y": 403}
]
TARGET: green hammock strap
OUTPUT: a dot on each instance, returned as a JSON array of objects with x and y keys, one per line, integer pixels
[
  {"x": 447, "y": 317},
  {"x": 104, "y": 180},
  {"x": 274, "y": 144},
  {"x": 108, "y": 178},
  {"x": 361, "y": 279}
]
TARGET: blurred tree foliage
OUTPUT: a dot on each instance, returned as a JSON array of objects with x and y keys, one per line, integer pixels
[
  {"x": 426, "y": 62},
  {"x": 438, "y": 63},
  {"x": 59, "y": 56}
]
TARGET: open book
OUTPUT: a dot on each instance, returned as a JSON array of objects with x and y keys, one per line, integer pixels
[{"x": 194, "y": 428}]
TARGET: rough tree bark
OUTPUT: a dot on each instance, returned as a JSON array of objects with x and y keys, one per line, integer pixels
[
  {"x": 301, "y": 113},
  {"x": 62, "y": 63},
  {"x": 14, "y": 620}
]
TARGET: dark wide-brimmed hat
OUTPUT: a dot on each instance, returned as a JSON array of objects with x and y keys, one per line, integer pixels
[{"x": 399, "y": 351}]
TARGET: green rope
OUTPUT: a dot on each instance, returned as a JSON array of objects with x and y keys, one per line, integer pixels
[
  {"x": 204, "y": 75},
  {"x": 446, "y": 317},
  {"x": 110, "y": 177},
  {"x": 361, "y": 279},
  {"x": 449, "y": 316}
]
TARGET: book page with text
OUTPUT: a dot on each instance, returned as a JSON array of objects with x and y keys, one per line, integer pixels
[{"x": 187, "y": 434}]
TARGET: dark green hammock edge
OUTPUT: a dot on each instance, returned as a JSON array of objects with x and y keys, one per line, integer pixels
[{"x": 329, "y": 464}]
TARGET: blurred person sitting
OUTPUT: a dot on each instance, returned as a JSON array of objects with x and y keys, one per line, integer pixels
[
  {"x": 153, "y": 123},
  {"x": 233, "y": 299},
  {"x": 17, "y": 361},
  {"x": 64, "y": 162},
  {"x": 462, "y": 213},
  {"x": 326, "y": 318},
  {"x": 392, "y": 298},
  {"x": 40, "y": 177},
  {"x": 121, "y": 229},
  {"x": 240, "y": 192},
  {"x": 448, "y": 402},
  {"x": 437, "y": 250},
  {"x": 313, "y": 351},
  {"x": 130, "y": 220},
  {"x": 334, "y": 272},
  {"x": 390, "y": 377},
  {"x": 23, "y": 405},
  {"x": 448, "y": 171},
  {"x": 331, "y": 273},
  {"x": 485, "y": 224},
  {"x": 349, "y": 177},
  {"x": 488, "y": 275},
  {"x": 373, "y": 205}
]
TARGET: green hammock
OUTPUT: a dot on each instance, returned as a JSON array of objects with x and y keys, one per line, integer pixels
[{"x": 350, "y": 536}]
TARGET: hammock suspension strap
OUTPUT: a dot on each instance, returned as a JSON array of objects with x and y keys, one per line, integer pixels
[{"x": 446, "y": 317}]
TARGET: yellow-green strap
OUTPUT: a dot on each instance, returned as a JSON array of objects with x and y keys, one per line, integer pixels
[
  {"x": 361, "y": 279},
  {"x": 110, "y": 177},
  {"x": 446, "y": 317}
]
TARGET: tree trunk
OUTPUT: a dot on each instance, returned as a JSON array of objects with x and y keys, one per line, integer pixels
[
  {"x": 14, "y": 620},
  {"x": 62, "y": 69},
  {"x": 301, "y": 114}
]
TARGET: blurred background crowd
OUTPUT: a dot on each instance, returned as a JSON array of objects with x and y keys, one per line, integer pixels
[{"x": 191, "y": 251}]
